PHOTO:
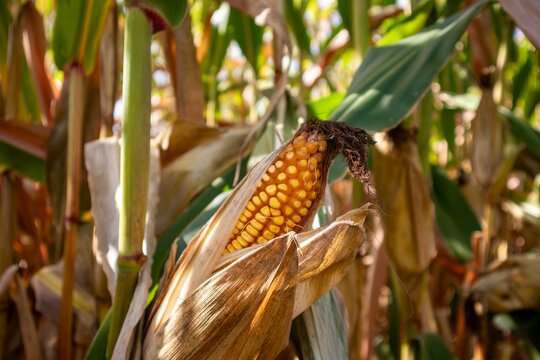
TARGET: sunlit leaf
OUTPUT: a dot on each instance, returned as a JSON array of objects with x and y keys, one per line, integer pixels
[{"x": 393, "y": 78}]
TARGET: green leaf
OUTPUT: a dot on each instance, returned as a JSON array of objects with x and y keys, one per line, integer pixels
[
  {"x": 391, "y": 79},
  {"x": 248, "y": 35},
  {"x": 408, "y": 25},
  {"x": 454, "y": 216},
  {"x": 323, "y": 108},
  {"x": 430, "y": 347},
  {"x": 294, "y": 16},
  {"x": 19, "y": 161},
  {"x": 172, "y": 11},
  {"x": 99, "y": 344},
  {"x": 77, "y": 31},
  {"x": 522, "y": 131}
]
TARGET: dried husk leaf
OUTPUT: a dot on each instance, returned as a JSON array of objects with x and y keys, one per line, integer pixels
[
  {"x": 32, "y": 349},
  {"x": 512, "y": 285},
  {"x": 180, "y": 136},
  {"x": 194, "y": 170},
  {"x": 487, "y": 146},
  {"x": 408, "y": 213},
  {"x": 242, "y": 312}
]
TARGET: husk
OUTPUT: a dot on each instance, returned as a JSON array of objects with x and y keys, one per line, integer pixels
[
  {"x": 274, "y": 282},
  {"x": 243, "y": 311},
  {"x": 408, "y": 213}
]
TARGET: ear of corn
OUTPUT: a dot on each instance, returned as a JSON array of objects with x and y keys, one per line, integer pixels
[{"x": 285, "y": 195}]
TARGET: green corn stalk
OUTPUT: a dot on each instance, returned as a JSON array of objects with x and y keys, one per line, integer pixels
[{"x": 134, "y": 163}]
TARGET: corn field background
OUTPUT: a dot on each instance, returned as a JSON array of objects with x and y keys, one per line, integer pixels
[{"x": 140, "y": 142}]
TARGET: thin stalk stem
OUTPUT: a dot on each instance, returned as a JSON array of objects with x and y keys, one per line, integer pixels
[
  {"x": 134, "y": 165},
  {"x": 7, "y": 233},
  {"x": 73, "y": 181}
]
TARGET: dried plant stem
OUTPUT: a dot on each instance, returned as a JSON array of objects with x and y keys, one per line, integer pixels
[
  {"x": 7, "y": 232},
  {"x": 73, "y": 180},
  {"x": 134, "y": 164}
]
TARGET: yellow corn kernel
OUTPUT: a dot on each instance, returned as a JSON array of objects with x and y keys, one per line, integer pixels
[
  {"x": 285, "y": 194},
  {"x": 271, "y": 190}
]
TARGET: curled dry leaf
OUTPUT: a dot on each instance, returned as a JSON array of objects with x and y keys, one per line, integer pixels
[
  {"x": 408, "y": 214},
  {"x": 511, "y": 285},
  {"x": 324, "y": 254}
]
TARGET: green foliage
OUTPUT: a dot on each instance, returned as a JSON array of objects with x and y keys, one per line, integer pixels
[
  {"x": 76, "y": 32},
  {"x": 393, "y": 78},
  {"x": 454, "y": 216}
]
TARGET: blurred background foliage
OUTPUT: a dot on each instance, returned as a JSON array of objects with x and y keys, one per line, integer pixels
[{"x": 449, "y": 90}]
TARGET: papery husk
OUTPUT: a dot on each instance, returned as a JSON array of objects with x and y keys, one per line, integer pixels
[
  {"x": 487, "y": 145},
  {"x": 511, "y": 285},
  {"x": 408, "y": 214},
  {"x": 218, "y": 319},
  {"x": 242, "y": 312}
]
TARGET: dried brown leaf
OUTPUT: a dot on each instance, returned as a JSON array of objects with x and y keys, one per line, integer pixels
[
  {"x": 512, "y": 285},
  {"x": 487, "y": 146},
  {"x": 185, "y": 71},
  {"x": 32, "y": 349},
  {"x": 408, "y": 213},
  {"x": 35, "y": 46}
]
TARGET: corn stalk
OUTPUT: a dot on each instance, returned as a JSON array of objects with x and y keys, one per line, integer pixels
[
  {"x": 73, "y": 181},
  {"x": 134, "y": 163}
]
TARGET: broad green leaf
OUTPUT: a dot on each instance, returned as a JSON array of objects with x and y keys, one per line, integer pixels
[
  {"x": 21, "y": 162},
  {"x": 4, "y": 29},
  {"x": 172, "y": 11},
  {"x": 323, "y": 108},
  {"x": 77, "y": 31},
  {"x": 248, "y": 35},
  {"x": 430, "y": 347},
  {"x": 454, "y": 216},
  {"x": 295, "y": 20},
  {"x": 522, "y": 131},
  {"x": 391, "y": 79}
]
